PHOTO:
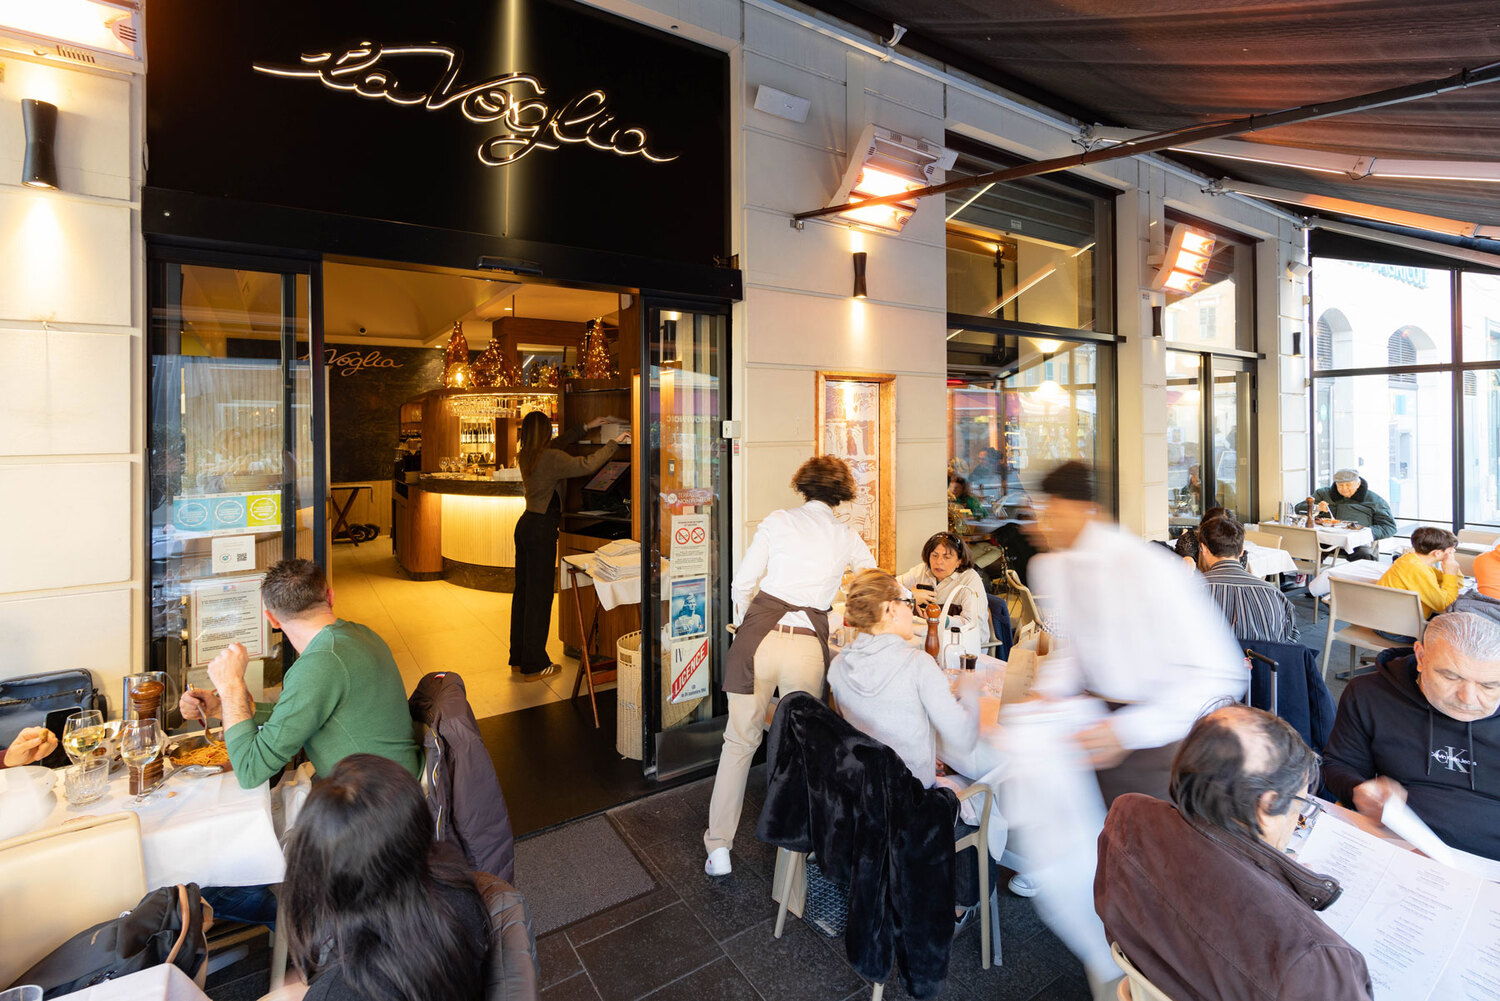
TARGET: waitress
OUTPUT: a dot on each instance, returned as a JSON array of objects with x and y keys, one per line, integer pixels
[
  {"x": 544, "y": 467},
  {"x": 798, "y": 558}
]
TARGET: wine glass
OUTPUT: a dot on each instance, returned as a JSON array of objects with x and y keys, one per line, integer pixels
[
  {"x": 83, "y": 733},
  {"x": 140, "y": 747}
]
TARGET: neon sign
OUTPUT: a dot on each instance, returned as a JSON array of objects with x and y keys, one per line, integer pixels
[{"x": 515, "y": 100}]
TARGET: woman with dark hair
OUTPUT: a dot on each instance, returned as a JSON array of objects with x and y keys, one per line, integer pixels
[
  {"x": 544, "y": 467},
  {"x": 947, "y": 568},
  {"x": 374, "y": 911},
  {"x": 782, "y": 592}
]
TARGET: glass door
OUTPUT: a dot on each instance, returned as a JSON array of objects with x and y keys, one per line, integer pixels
[
  {"x": 236, "y": 472},
  {"x": 1232, "y": 427},
  {"x": 1184, "y": 440},
  {"x": 685, "y": 532}
]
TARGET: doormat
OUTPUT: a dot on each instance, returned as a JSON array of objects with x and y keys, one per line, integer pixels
[{"x": 577, "y": 870}]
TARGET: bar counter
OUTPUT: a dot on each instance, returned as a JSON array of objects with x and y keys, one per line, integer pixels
[{"x": 474, "y": 520}]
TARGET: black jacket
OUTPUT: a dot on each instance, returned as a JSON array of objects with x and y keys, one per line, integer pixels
[
  {"x": 837, "y": 792},
  {"x": 462, "y": 788},
  {"x": 1302, "y": 696},
  {"x": 1451, "y": 770}
]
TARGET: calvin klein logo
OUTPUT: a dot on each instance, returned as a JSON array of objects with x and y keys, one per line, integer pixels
[
  {"x": 515, "y": 100},
  {"x": 1453, "y": 759}
]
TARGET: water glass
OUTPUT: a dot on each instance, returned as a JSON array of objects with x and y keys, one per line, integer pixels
[
  {"x": 26, "y": 992},
  {"x": 140, "y": 747},
  {"x": 86, "y": 782}
]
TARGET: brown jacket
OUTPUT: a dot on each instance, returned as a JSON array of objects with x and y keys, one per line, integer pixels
[
  {"x": 1208, "y": 915},
  {"x": 554, "y": 465}
]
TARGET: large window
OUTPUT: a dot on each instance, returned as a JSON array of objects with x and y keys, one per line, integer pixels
[
  {"x": 1220, "y": 313},
  {"x": 1406, "y": 385}
]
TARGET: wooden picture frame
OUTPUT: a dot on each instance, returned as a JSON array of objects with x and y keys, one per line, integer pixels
[{"x": 856, "y": 421}]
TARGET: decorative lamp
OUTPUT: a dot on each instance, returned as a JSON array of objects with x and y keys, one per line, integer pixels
[
  {"x": 485, "y": 370},
  {"x": 860, "y": 291},
  {"x": 40, "y": 167},
  {"x": 456, "y": 371},
  {"x": 597, "y": 364}
]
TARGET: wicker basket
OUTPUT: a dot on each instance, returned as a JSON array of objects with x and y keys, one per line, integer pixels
[{"x": 628, "y": 695}]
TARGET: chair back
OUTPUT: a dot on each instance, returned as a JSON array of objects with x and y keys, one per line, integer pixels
[
  {"x": 1140, "y": 988},
  {"x": 1266, "y": 540},
  {"x": 1465, "y": 562},
  {"x": 62, "y": 880},
  {"x": 1302, "y": 545},
  {"x": 1482, "y": 536},
  {"x": 1031, "y": 614},
  {"x": 1389, "y": 609}
]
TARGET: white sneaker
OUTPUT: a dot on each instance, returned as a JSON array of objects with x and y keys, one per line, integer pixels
[
  {"x": 718, "y": 862},
  {"x": 1022, "y": 887}
]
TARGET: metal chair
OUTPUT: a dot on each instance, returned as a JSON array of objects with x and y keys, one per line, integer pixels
[
  {"x": 1031, "y": 613},
  {"x": 1367, "y": 607},
  {"x": 1135, "y": 986}
]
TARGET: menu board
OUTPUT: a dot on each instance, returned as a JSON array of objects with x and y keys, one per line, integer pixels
[{"x": 851, "y": 430}]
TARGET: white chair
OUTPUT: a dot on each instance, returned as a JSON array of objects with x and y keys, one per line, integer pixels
[
  {"x": 1482, "y": 536},
  {"x": 1466, "y": 562},
  {"x": 1302, "y": 545},
  {"x": 1029, "y": 618},
  {"x": 61, "y": 880},
  {"x": 1366, "y": 608},
  {"x": 1135, "y": 986},
  {"x": 1266, "y": 540}
]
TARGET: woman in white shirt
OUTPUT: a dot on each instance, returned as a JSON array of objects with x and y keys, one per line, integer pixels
[
  {"x": 947, "y": 567},
  {"x": 796, "y": 561}
]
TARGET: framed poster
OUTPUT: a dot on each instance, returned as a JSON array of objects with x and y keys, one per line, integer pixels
[
  {"x": 224, "y": 611},
  {"x": 856, "y": 421}
]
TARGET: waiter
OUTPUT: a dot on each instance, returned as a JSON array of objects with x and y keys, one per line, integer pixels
[
  {"x": 1142, "y": 635},
  {"x": 798, "y": 558}
]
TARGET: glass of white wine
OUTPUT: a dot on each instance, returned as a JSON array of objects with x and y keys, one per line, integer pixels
[
  {"x": 140, "y": 748},
  {"x": 84, "y": 734}
]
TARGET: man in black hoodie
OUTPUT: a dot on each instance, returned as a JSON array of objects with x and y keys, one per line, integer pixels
[{"x": 1424, "y": 728}]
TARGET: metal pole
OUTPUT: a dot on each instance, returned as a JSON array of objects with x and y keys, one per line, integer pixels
[{"x": 1238, "y": 126}]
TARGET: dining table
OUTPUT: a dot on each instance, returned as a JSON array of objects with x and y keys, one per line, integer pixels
[
  {"x": 1268, "y": 561},
  {"x": 1330, "y": 536},
  {"x": 204, "y": 830}
]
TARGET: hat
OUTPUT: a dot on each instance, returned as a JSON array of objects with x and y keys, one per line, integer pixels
[{"x": 1346, "y": 476}]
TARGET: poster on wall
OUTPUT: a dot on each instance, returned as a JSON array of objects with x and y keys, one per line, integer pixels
[
  {"x": 689, "y": 670},
  {"x": 227, "y": 514},
  {"x": 225, "y": 611},
  {"x": 855, "y": 414},
  {"x": 687, "y": 606},
  {"x": 690, "y": 545}
]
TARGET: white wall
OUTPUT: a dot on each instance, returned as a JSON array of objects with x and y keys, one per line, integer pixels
[{"x": 71, "y": 567}]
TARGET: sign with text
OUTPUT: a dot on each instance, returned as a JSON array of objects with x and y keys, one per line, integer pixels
[
  {"x": 690, "y": 537},
  {"x": 227, "y": 514},
  {"x": 689, "y": 670},
  {"x": 226, "y": 611},
  {"x": 233, "y": 553}
]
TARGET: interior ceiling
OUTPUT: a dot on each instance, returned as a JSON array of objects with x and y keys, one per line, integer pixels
[{"x": 1166, "y": 64}]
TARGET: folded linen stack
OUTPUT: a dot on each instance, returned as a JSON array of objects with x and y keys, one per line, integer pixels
[{"x": 620, "y": 560}]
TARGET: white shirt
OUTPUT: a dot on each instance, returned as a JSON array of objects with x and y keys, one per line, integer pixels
[
  {"x": 971, "y": 605},
  {"x": 1138, "y": 629},
  {"x": 799, "y": 555}
]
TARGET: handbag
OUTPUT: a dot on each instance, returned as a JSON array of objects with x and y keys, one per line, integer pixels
[
  {"x": 970, "y": 638},
  {"x": 826, "y": 907},
  {"x": 32, "y": 698},
  {"x": 165, "y": 927}
]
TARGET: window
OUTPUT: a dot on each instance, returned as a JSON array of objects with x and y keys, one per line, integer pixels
[
  {"x": 1406, "y": 387},
  {"x": 1221, "y": 313}
]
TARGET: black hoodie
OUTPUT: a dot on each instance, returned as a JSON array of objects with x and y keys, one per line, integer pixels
[{"x": 1451, "y": 769}]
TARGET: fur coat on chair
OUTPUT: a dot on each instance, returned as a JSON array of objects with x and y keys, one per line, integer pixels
[{"x": 850, "y": 799}]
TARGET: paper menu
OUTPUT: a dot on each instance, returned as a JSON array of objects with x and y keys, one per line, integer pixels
[{"x": 1424, "y": 929}]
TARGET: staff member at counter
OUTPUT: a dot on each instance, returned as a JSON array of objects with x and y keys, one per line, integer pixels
[{"x": 544, "y": 467}]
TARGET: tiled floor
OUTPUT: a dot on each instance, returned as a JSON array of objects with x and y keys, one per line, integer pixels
[
  {"x": 438, "y": 626},
  {"x": 710, "y": 939}
]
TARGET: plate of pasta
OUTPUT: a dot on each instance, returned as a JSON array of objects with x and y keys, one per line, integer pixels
[{"x": 198, "y": 750}]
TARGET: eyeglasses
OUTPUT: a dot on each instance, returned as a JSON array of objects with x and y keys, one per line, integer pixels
[{"x": 1307, "y": 814}]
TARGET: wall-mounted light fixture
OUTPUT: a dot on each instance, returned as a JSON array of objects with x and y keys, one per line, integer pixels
[
  {"x": 860, "y": 290},
  {"x": 889, "y": 163},
  {"x": 1185, "y": 262},
  {"x": 1296, "y": 344},
  {"x": 1298, "y": 269},
  {"x": 40, "y": 167}
]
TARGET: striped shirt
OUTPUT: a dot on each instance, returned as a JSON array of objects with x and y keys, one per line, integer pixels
[{"x": 1256, "y": 609}]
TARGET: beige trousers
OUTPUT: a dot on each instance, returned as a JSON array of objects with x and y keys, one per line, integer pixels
[{"x": 785, "y": 661}]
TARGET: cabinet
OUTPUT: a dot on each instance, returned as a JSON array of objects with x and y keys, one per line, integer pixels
[{"x": 417, "y": 531}]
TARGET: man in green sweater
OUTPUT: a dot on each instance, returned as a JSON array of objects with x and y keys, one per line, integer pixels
[{"x": 344, "y": 695}]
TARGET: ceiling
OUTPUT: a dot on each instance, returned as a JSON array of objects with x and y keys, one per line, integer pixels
[{"x": 1166, "y": 64}]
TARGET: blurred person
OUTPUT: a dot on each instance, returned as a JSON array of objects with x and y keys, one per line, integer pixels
[
  {"x": 30, "y": 746},
  {"x": 782, "y": 592},
  {"x": 1239, "y": 781},
  {"x": 958, "y": 493},
  {"x": 375, "y": 909},
  {"x": 1430, "y": 569},
  {"x": 1351, "y": 499},
  {"x": 1423, "y": 728},
  {"x": 897, "y": 694},
  {"x": 947, "y": 566},
  {"x": 1255, "y": 608},
  {"x": 1145, "y": 641},
  {"x": 344, "y": 695}
]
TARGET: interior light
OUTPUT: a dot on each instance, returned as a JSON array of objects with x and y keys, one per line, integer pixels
[
  {"x": 1046, "y": 347},
  {"x": 860, "y": 289},
  {"x": 40, "y": 167},
  {"x": 1182, "y": 282}
]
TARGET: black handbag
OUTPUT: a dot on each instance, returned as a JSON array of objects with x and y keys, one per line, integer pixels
[
  {"x": 46, "y": 700},
  {"x": 165, "y": 927},
  {"x": 827, "y": 904}
]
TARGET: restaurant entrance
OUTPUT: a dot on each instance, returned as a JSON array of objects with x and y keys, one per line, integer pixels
[{"x": 405, "y": 388}]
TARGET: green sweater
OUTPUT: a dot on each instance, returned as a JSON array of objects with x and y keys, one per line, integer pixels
[{"x": 343, "y": 696}]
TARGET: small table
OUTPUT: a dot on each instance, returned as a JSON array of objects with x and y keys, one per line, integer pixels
[
  {"x": 607, "y": 595},
  {"x": 1346, "y": 539},
  {"x": 207, "y": 831},
  {"x": 1267, "y": 562}
]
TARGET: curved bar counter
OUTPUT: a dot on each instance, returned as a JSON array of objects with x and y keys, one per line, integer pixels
[{"x": 476, "y": 528}]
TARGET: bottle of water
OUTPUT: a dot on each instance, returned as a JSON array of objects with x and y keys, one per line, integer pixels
[{"x": 954, "y": 651}]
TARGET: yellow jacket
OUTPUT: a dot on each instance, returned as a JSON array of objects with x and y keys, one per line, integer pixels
[{"x": 1436, "y": 589}]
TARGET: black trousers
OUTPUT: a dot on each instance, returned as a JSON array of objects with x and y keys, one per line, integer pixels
[{"x": 531, "y": 605}]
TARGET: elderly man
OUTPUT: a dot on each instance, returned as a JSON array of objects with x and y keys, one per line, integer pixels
[
  {"x": 343, "y": 696},
  {"x": 1236, "y": 785},
  {"x": 1423, "y": 728},
  {"x": 1254, "y": 608},
  {"x": 1351, "y": 499}
]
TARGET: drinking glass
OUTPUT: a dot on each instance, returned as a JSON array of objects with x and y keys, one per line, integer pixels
[
  {"x": 25, "y": 992},
  {"x": 83, "y": 734},
  {"x": 140, "y": 748},
  {"x": 86, "y": 782}
]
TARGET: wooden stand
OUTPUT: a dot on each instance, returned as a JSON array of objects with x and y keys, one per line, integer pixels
[{"x": 589, "y": 635}]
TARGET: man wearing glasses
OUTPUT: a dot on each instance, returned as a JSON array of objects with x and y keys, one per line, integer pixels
[{"x": 1239, "y": 786}]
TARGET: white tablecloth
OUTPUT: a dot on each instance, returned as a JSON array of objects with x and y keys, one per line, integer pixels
[
  {"x": 612, "y": 593},
  {"x": 207, "y": 831},
  {"x": 1341, "y": 538},
  {"x": 1265, "y": 562},
  {"x": 1368, "y": 571},
  {"x": 158, "y": 983}
]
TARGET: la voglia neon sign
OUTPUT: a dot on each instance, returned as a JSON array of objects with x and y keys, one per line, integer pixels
[{"x": 513, "y": 99}]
